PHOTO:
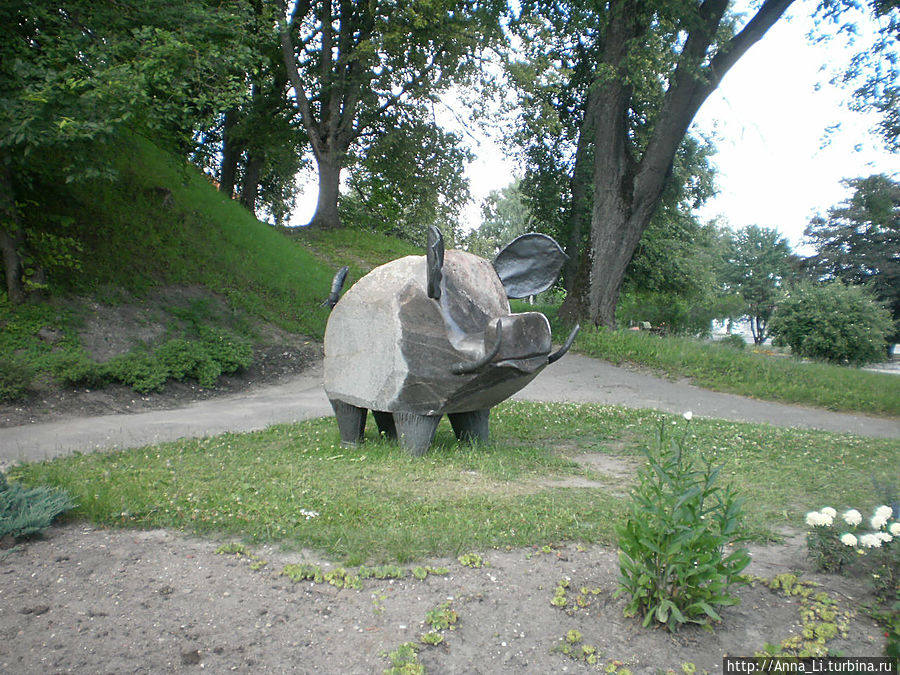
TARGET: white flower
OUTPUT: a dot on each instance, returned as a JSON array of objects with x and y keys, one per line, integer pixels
[
  {"x": 870, "y": 541},
  {"x": 883, "y": 536},
  {"x": 688, "y": 415},
  {"x": 877, "y": 522},
  {"x": 309, "y": 514},
  {"x": 817, "y": 519},
  {"x": 852, "y": 517},
  {"x": 830, "y": 512},
  {"x": 884, "y": 511},
  {"x": 894, "y": 529},
  {"x": 848, "y": 539}
]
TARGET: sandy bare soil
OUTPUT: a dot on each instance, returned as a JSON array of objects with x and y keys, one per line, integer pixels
[{"x": 82, "y": 600}]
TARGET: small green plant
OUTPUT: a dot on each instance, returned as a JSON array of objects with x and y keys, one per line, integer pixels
[
  {"x": 405, "y": 661},
  {"x": 233, "y": 548},
  {"x": 432, "y": 638},
  {"x": 442, "y": 617},
  {"x": 821, "y": 619},
  {"x": 298, "y": 572},
  {"x": 673, "y": 560},
  {"x": 25, "y": 511},
  {"x": 472, "y": 560},
  {"x": 241, "y": 551},
  {"x": 382, "y": 572},
  {"x": 421, "y": 573},
  {"x": 560, "y": 598}
]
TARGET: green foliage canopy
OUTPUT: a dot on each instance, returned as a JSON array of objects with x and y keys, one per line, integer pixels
[
  {"x": 859, "y": 240},
  {"x": 355, "y": 66},
  {"x": 758, "y": 264},
  {"x": 834, "y": 322}
]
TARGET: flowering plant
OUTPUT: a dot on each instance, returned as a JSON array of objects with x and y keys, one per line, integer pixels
[{"x": 834, "y": 542}]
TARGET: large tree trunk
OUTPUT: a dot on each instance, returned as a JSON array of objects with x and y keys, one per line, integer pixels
[
  {"x": 580, "y": 213},
  {"x": 231, "y": 153},
  {"x": 326, "y": 215},
  {"x": 12, "y": 238},
  {"x": 627, "y": 190},
  {"x": 250, "y": 184}
]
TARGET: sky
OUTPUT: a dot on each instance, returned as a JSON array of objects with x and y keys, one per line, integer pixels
[{"x": 776, "y": 164}]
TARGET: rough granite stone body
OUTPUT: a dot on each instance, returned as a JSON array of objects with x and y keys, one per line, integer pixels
[{"x": 391, "y": 348}]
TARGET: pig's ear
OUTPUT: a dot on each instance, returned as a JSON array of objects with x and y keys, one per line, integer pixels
[
  {"x": 529, "y": 265},
  {"x": 434, "y": 260}
]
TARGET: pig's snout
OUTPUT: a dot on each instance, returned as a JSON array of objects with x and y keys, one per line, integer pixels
[{"x": 520, "y": 341}]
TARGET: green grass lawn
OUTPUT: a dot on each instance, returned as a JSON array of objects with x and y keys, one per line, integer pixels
[{"x": 374, "y": 503}]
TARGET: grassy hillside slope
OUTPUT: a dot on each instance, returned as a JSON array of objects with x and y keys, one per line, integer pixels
[{"x": 161, "y": 245}]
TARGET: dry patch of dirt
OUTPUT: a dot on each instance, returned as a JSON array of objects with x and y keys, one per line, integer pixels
[
  {"x": 85, "y": 600},
  {"x": 614, "y": 473}
]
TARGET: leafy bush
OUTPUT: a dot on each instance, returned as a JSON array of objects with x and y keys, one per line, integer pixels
[
  {"x": 229, "y": 351},
  {"x": 833, "y": 322},
  {"x": 15, "y": 377},
  {"x": 77, "y": 369},
  {"x": 673, "y": 560},
  {"x": 140, "y": 370},
  {"x": 216, "y": 352},
  {"x": 25, "y": 512},
  {"x": 680, "y": 315}
]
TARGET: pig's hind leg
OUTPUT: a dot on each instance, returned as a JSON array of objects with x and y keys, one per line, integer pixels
[{"x": 471, "y": 426}]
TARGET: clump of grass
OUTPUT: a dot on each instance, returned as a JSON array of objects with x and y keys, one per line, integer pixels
[
  {"x": 296, "y": 486},
  {"x": 25, "y": 512}
]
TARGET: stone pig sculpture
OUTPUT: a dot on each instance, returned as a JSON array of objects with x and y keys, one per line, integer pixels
[{"x": 425, "y": 336}]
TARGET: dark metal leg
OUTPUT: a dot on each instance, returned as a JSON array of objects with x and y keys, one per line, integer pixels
[
  {"x": 471, "y": 426},
  {"x": 351, "y": 422},
  {"x": 416, "y": 432},
  {"x": 385, "y": 422}
]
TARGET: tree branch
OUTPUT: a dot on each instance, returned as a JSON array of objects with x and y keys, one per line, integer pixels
[{"x": 290, "y": 63}]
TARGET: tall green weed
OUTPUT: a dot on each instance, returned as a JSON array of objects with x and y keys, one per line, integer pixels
[{"x": 675, "y": 559}]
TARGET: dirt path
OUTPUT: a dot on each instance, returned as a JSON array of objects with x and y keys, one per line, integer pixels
[{"x": 82, "y": 600}]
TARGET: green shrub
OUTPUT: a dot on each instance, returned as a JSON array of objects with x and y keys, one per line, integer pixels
[
  {"x": 25, "y": 512},
  {"x": 834, "y": 322},
  {"x": 674, "y": 313},
  {"x": 673, "y": 561},
  {"x": 180, "y": 357},
  {"x": 77, "y": 369},
  {"x": 140, "y": 370},
  {"x": 16, "y": 375},
  {"x": 204, "y": 359},
  {"x": 734, "y": 341},
  {"x": 229, "y": 351}
]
